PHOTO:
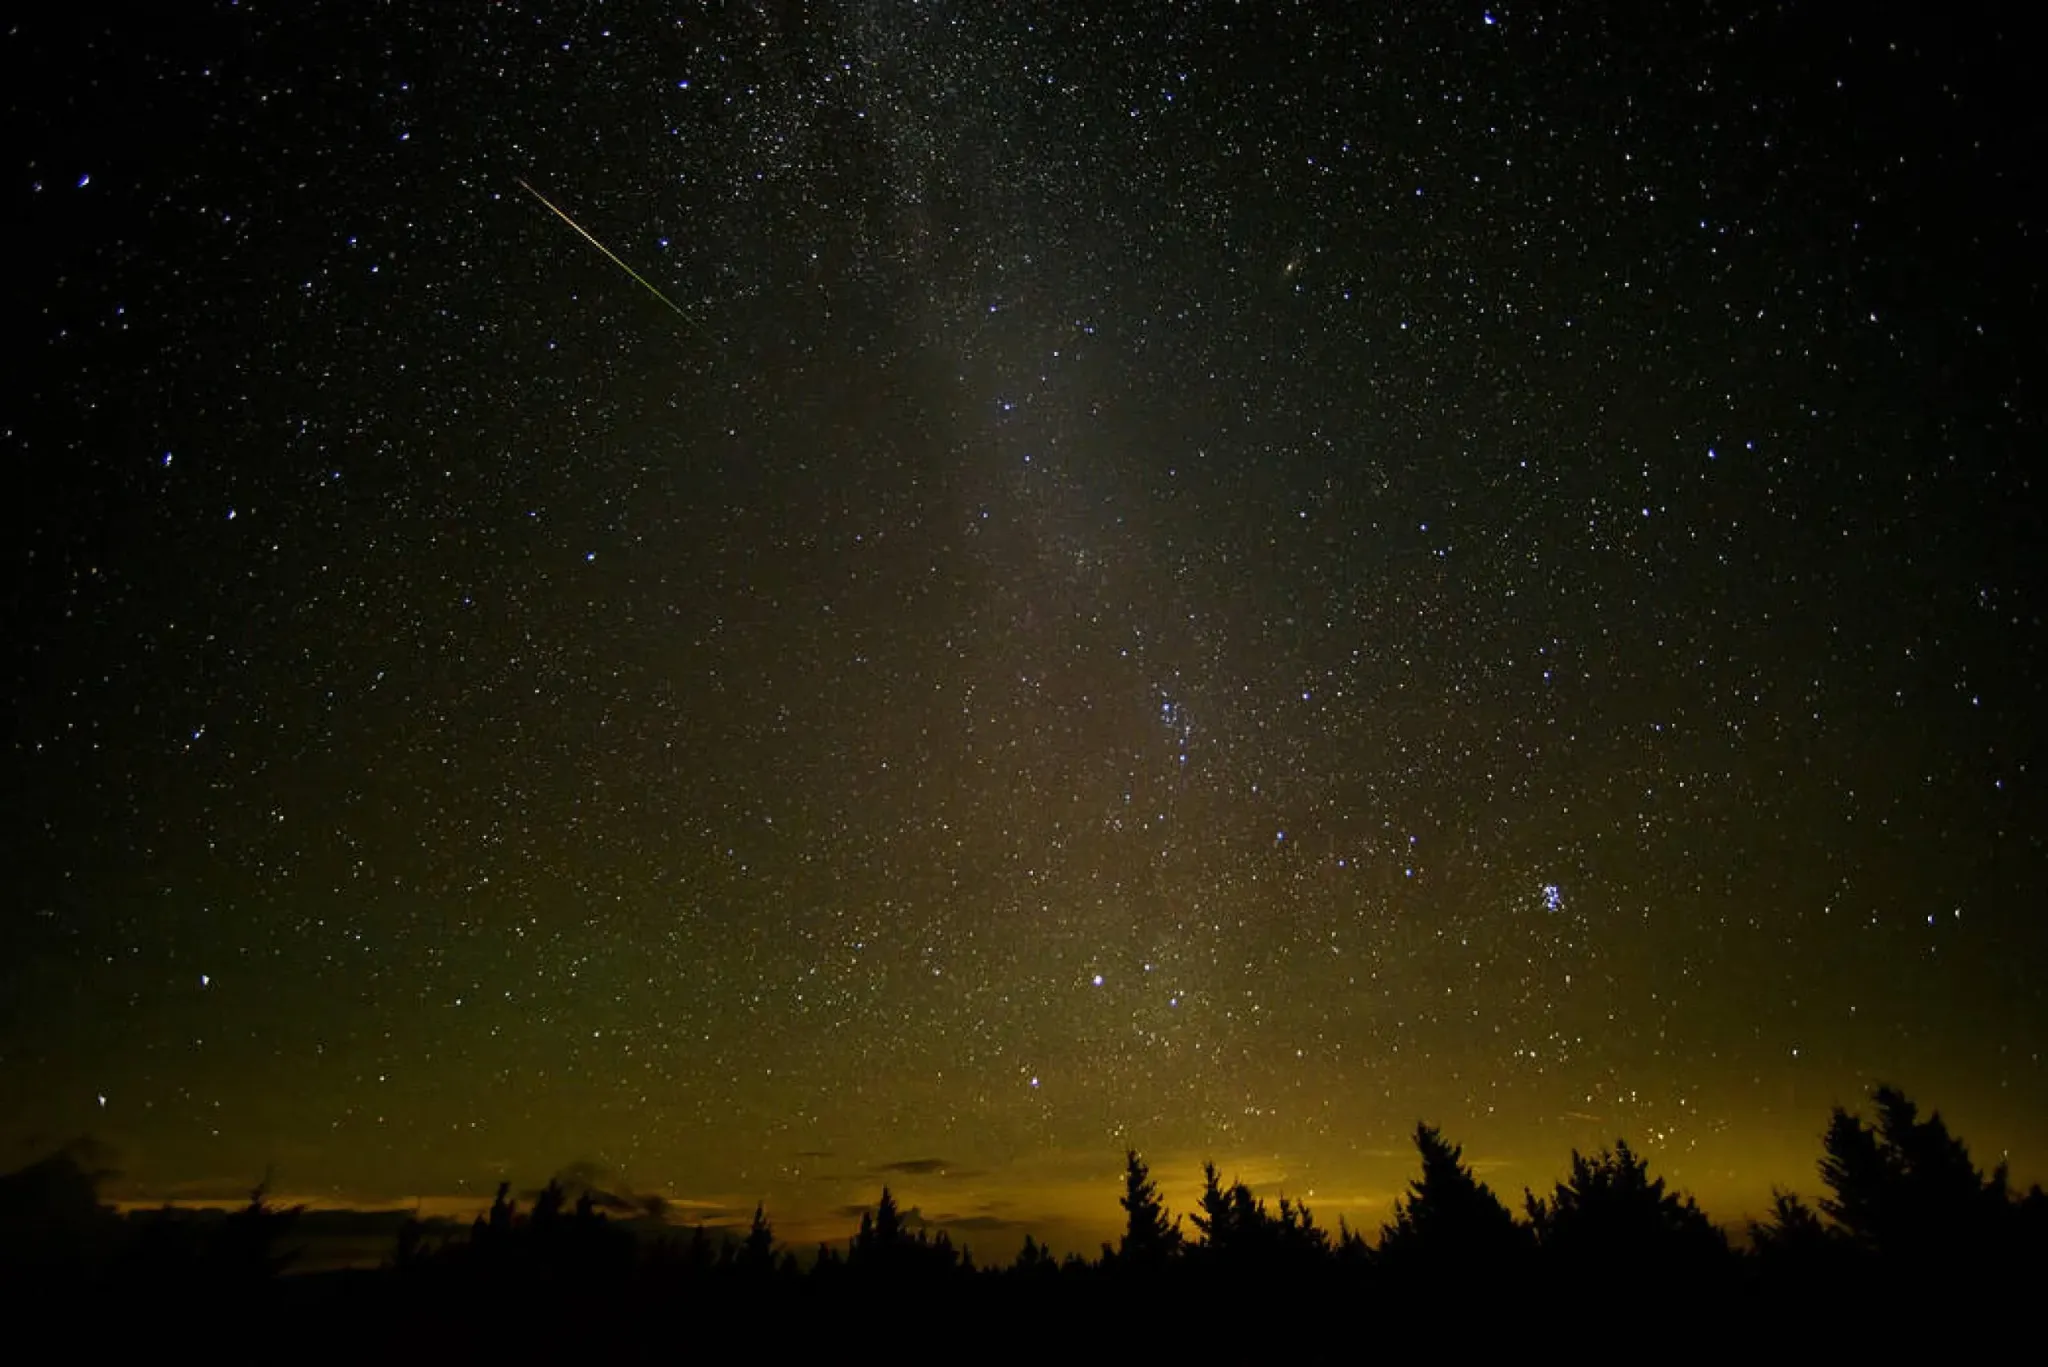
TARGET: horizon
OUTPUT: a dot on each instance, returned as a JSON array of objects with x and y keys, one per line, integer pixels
[{"x": 938, "y": 1196}]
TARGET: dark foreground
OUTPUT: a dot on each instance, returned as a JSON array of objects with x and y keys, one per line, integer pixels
[{"x": 1913, "y": 1249}]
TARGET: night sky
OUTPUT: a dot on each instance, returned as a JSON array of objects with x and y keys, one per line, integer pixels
[{"x": 1215, "y": 577}]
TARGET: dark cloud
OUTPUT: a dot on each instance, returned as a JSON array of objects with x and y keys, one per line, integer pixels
[
  {"x": 380, "y": 1224},
  {"x": 721, "y": 1222},
  {"x": 983, "y": 1224},
  {"x": 607, "y": 1192},
  {"x": 923, "y": 1167}
]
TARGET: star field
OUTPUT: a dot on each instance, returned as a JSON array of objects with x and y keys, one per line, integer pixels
[{"x": 1214, "y": 577}]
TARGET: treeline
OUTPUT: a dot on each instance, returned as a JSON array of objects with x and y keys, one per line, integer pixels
[{"x": 1907, "y": 1225}]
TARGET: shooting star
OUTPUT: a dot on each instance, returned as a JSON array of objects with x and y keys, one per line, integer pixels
[{"x": 610, "y": 255}]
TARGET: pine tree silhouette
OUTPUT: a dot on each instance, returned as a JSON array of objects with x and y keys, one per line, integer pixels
[
  {"x": 888, "y": 1222},
  {"x": 1352, "y": 1251},
  {"x": 547, "y": 1207},
  {"x": 245, "y": 1248},
  {"x": 1299, "y": 1240},
  {"x": 757, "y": 1252},
  {"x": 1612, "y": 1214},
  {"x": 1906, "y": 1189},
  {"x": 1241, "y": 1234},
  {"x": 1216, "y": 1214},
  {"x": 503, "y": 1209},
  {"x": 1793, "y": 1240},
  {"x": 1150, "y": 1238},
  {"x": 698, "y": 1255},
  {"x": 1034, "y": 1261},
  {"x": 1449, "y": 1215},
  {"x": 882, "y": 1245}
]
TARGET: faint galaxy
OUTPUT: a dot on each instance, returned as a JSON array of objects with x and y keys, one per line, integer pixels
[{"x": 1213, "y": 577}]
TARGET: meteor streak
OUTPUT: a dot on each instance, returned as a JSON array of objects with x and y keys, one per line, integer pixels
[{"x": 610, "y": 255}]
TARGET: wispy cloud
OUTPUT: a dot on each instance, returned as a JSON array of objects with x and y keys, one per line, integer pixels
[
  {"x": 923, "y": 1167},
  {"x": 984, "y": 1224}
]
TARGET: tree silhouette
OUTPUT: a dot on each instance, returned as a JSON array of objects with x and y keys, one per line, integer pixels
[
  {"x": 1352, "y": 1250},
  {"x": 245, "y": 1248},
  {"x": 547, "y": 1207},
  {"x": 1218, "y": 1215},
  {"x": 1298, "y": 1238},
  {"x": 1907, "y": 1191},
  {"x": 2028, "y": 1233},
  {"x": 937, "y": 1252},
  {"x": 1907, "y": 1217},
  {"x": 411, "y": 1251},
  {"x": 1150, "y": 1238},
  {"x": 503, "y": 1209},
  {"x": 884, "y": 1245},
  {"x": 757, "y": 1252},
  {"x": 1611, "y": 1213},
  {"x": 50, "y": 1212},
  {"x": 698, "y": 1255},
  {"x": 888, "y": 1230},
  {"x": 1239, "y": 1232},
  {"x": 1794, "y": 1244},
  {"x": 1449, "y": 1215},
  {"x": 1034, "y": 1261}
]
